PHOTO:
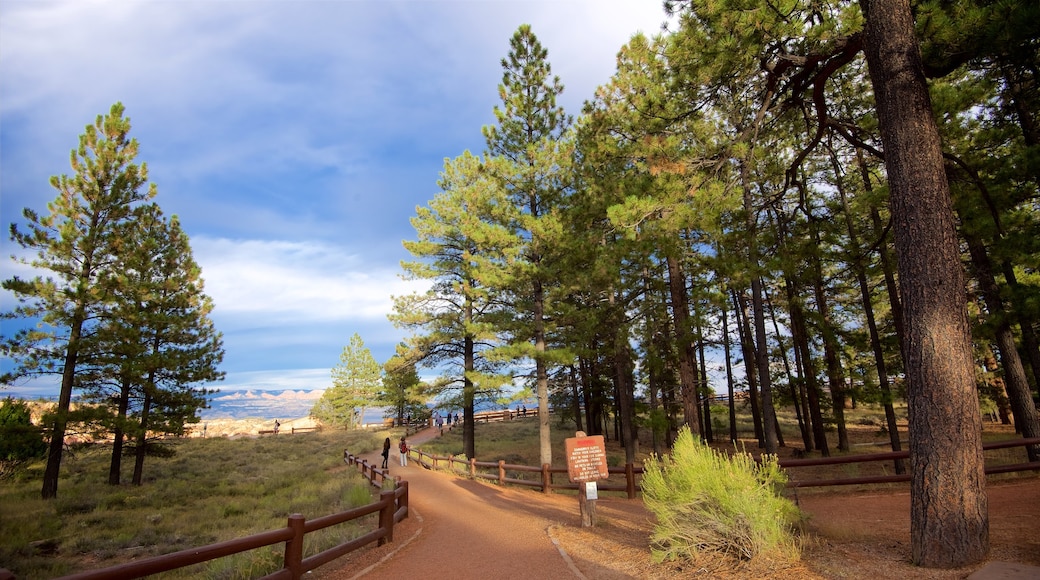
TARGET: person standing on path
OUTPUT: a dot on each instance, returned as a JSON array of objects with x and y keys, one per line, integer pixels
[
  {"x": 403, "y": 448},
  {"x": 386, "y": 453}
]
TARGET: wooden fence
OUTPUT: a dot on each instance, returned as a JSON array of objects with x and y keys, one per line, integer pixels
[
  {"x": 481, "y": 417},
  {"x": 292, "y": 431},
  {"x": 499, "y": 471},
  {"x": 392, "y": 507}
]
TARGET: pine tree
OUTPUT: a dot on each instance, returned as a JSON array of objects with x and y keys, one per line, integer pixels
[
  {"x": 462, "y": 247},
  {"x": 529, "y": 157},
  {"x": 356, "y": 382},
  {"x": 77, "y": 243},
  {"x": 162, "y": 341}
]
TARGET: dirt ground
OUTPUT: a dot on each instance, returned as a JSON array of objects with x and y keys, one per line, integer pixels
[{"x": 848, "y": 534}]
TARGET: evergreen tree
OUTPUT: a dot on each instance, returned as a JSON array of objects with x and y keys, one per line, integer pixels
[
  {"x": 949, "y": 524},
  {"x": 463, "y": 248},
  {"x": 161, "y": 341},
  {"x": 77, "y": 243},
  {"x": 356, "y": 382},
  {"x": 530, "y": 159},
  {"x": 403, "y": 392}
]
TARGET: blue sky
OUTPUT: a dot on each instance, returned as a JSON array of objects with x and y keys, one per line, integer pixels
[{"x": 293, "y": 139}]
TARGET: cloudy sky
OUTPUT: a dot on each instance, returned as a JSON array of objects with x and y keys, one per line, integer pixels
[{"x": 293, "y": 139}]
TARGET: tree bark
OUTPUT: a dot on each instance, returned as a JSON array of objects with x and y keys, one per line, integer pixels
[
  {"x": 949, "y": 524},
  {"x": 684, "y": 342}
]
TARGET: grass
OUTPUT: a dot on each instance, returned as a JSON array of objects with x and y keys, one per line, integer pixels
[{"x": 210, "y": 491}]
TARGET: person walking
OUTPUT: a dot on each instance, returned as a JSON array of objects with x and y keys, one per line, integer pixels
[
  {"x": 403, "y": 448},
  {"x": 386, "y": 453}
]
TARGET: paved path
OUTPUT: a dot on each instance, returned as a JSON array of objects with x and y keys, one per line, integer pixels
[{"x": 458, "y": 524}]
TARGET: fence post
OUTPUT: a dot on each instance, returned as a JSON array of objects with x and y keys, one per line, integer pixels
[
  {"x": 402, "y": 487},
  {"x": 501, "y": 472},
  {"x": 630, "y": 480},
  {"x": 386, "y": 515},
  {"x": 546, "y": 478},
  {"x": 294, "y": 547},
  {"x": 472, "y": 466}
]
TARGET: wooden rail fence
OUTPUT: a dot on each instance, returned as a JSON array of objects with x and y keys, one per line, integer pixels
[
  {"x": 392, "y": 507},
  {"x": 499, "y": 471}
]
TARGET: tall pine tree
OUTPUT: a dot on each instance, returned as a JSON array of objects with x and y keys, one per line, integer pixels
[
  {"x": 76, "y": 244},
  {"x": 530, "y": 159}
]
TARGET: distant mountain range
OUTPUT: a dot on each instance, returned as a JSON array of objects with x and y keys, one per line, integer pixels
[{"x": 286, "y": 404}]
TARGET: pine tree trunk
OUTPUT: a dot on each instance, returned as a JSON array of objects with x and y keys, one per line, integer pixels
[
  {"x": 875, "y": 336},
  {"x": 115, "y": 466},
  {"x": 1019, "y": 395},
  {"x": 949, "y": 524},
  {"x": 684, "y": 344},
  {"x": 835, "y": 374},
  {"x": 750, "y": 368},
  {"x": 61, "y": 416},
  {"x": 800, "y": 337},
  {"x": 729, "y": 375},
  {"x": 142, "y": 440}
]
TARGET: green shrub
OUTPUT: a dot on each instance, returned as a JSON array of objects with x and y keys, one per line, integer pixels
[{"x": 709, "y": 503}]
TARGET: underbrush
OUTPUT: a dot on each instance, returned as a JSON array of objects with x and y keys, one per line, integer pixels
[
  {"x": 210, "y": 491},
  {"x": 710, "y": 505}
]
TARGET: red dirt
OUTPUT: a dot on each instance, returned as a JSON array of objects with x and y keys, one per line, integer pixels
[{"x": 469, "y": 529}]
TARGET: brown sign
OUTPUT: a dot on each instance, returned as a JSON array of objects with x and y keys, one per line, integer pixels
[{"x": 586, "y": 458}]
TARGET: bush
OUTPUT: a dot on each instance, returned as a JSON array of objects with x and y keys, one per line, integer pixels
[
  {"x": 707, "y": 502},
  {"x": 20, "y": 440}
]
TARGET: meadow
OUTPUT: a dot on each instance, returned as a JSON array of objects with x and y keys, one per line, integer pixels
[{"x": 211, "y": 490}]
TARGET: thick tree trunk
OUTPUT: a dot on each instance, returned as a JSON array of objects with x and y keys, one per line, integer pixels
[
  {"x": 949, "y": 525},
  {"x": 541, "y": 375},
  {"x": 61, "y": 415}
]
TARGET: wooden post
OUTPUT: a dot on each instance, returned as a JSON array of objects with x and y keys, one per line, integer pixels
[
  {"x": 586, "y": 462},
  {"x": 586, "y": 504},
  {"x": 294, "y": 547},
  {"x": 386, "y": 515}
]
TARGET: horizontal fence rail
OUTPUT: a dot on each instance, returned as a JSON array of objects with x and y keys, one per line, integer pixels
[
  {"x": 499, "y": 471},
  {"x": 392, "y": 507}
]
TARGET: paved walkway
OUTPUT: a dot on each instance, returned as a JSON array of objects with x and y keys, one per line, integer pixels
[{"x": 459, "y": 525}]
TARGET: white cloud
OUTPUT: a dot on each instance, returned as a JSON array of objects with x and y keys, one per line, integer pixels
[{"x": 271, "y": 282}]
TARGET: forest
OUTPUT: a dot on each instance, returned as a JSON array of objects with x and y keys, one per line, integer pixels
[
  {"x": 823, "y": 203},
  {"x": 839, "y": 198}
]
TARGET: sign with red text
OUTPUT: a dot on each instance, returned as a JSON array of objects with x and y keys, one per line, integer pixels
[{"x": 586, "y": 458}]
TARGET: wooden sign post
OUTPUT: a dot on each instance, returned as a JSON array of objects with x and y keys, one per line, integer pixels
[{"x": 586, "y": 463}]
